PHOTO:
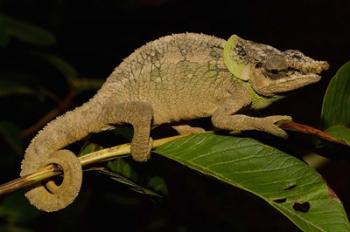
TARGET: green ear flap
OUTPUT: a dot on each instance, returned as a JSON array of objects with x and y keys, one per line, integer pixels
[{"x": 232, "y": 60}]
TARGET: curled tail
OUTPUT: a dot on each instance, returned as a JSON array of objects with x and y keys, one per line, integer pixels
[
  {"x": 51, "y": 197},
  {"x": 44, "y": 149}
]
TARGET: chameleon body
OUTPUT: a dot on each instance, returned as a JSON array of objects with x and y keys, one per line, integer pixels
[{"x": 177, "y": 77}]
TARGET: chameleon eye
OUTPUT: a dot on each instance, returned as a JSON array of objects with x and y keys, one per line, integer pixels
[
  {"x": 275, "y": 66},
  {"x": 276, "y": 63}
]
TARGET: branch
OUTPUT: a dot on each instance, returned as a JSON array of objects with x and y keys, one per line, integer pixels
[
  {"x": 305, "y": 129},
  {"x": 94, "y": 157},
  {"x": 61, "y": 107},
  {"x": 124, "y": 149}
]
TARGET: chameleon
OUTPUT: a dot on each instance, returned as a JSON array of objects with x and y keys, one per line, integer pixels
[{"x": 174, "y": 78}]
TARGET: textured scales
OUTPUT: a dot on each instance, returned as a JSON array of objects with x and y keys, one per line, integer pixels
[
  {"x": 170, "y": 74},
  {"x": 177, "y": 77}
]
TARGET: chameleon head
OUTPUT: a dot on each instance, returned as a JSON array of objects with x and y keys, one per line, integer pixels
[{"x": 269, "y": 70}]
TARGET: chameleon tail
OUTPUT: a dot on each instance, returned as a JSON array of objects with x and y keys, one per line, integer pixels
[
  {"x": 45, "y": 148},
  {"x": 51, "y": 197}
]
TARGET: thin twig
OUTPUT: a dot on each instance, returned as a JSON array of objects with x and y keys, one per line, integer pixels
[
  {"x": 315, "y": 160},
  {"x": 305, "y": 129},
  {"x": 61, "y": 107},
  {"x": 94, "y": 157},
  {"x": 121, "y": 150}
]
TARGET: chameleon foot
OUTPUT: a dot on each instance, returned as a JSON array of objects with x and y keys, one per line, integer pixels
[
  {"x": 271, "y": 124},
  {"x": 54, "y": 197},
  {"x": 141, "y": 152}
]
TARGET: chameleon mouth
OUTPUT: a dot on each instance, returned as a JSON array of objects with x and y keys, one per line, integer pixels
[
  {"x": 299, "y": 75},
  {"x": 295, "y": 81}
]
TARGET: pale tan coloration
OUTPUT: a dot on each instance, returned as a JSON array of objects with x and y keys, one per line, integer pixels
[
  {"x": 59, "y": 196},
  {"x": 187, "y": 129},
  {"x": 177, "y": 77},
  {"x": 270, "y": 71}
]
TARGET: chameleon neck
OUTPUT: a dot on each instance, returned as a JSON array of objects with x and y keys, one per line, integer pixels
[
  {"x": 237, "y": 68},
  {"x": 257, "y": 101}
]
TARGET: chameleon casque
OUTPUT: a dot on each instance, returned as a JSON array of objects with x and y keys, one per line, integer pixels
[{"x": 177, "y": 77}]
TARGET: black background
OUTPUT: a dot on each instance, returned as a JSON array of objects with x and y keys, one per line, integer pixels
[{"x": 94, "y": 36}]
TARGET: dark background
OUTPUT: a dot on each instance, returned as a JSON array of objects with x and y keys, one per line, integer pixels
[{"x": 94, "y": 36}]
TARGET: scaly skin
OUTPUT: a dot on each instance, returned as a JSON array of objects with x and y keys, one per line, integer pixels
[{"x": 177, "y": 77}]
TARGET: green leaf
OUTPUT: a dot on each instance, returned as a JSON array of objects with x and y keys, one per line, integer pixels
[
  {"x": 26, "y": 32},
  {"x": 69, "y": 72},
  {"x": 4, "y": 37},
  {"x": 126, "y": 181},
  {"x": 123, "y": 168},
  {"x": 158, "y": 184},
  {"x": 124, "y": 131},
  {"x": 82, "y": 84},
  {"x": 286, "y": 183},
  {"x": 340, "y": 132},
  {"x": 92, "y": 147},
  {"x": 128, "y": 175},
  {"x": 12, "y": 135},
  {"x": 61, "y": 65},
  {"x": 13, "y": 228},
  {"x": 8, "y": 87},
  {"x": 336, "y": 102}
]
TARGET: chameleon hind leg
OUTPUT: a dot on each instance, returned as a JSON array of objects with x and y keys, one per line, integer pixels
[
  {"x": 139, "y": 115},
  {"x": 55, "y": 197}
]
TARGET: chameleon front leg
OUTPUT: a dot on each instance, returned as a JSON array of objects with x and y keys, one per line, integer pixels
[
  {"x": 139, "y": 115},
  {"x": 225, "y": 118}
]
